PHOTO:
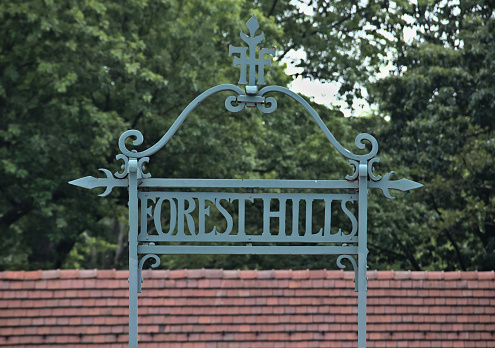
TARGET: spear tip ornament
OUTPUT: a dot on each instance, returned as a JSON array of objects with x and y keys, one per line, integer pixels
[{"x": 90, "y": 182}]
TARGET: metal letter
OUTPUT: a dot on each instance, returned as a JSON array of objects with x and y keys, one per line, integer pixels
[
  {"x": 182, "y": 213},
  {"x": 267, "y": 214},
  {"x": 328, "y": 217},
  {"x": 295, "y": 217},
  {"x": 158, "y": 214},
  {"x": 226, "y": 215},
  {"x": 242, "y": 215},
  {"x": 203, "y": 211}
]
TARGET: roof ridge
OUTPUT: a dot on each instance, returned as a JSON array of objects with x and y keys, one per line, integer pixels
[{"x": 248, "y": 274}]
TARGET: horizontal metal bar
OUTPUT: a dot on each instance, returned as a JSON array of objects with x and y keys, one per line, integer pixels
[
  {"x": 231, "y": 196},
  {"x": 249, "y": 183},
  {"x": 333, "y": 238},
  {"x": 247, "y": 249}
]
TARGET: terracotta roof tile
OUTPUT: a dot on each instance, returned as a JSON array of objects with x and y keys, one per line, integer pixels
[
  {"x": 455, "y": 275},
  {"x": 68, "y": 273},
  {"x": 13, "y": 275},
  {"x": 486, "y": 275},
  {"x": 220, "y": 308},
  {"x": 300, "y": 274},
  {"x": 195, "y": 273},
  {"x": 88, "y": 273},
  {"x": 213, "y": 273},
  {"x": 231, "y": 274},
  {"x": 266, "y": 274},
  {"x": 385, "y": 275},
  {"x": 51, "y": 274},
  {"x": 180, "y": 273},
  {"x": 435, "y": 275}
]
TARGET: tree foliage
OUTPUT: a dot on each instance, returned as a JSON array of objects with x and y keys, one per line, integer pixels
[
  {"x": 442, "y": 126},
  {"x": 75, "y": 74}
]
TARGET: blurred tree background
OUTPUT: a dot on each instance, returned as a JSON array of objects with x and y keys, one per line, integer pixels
[{"x": 75, "y": 74}]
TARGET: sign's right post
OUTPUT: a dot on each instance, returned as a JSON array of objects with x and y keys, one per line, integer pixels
[{"x": 362, "y": 252}]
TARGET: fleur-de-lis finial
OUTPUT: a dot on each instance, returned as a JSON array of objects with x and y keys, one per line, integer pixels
[
  {"x": 243, "y": 61},
  {"x": 253, "y": 25}
]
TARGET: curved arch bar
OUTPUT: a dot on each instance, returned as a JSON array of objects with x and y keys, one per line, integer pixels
[
  {"x": 178, "y": 122},
  {"x": 359, "y": 139}
]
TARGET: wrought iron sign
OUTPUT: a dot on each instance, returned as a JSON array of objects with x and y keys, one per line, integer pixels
[{"x": 188, "y": 230}]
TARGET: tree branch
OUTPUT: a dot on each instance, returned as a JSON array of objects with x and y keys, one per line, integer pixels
[
  {"x": 273, "y": 8},
  {"x": 284, "y": 53}
]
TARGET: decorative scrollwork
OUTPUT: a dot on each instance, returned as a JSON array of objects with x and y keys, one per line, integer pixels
[
  {"x": 354, "y": 266},
  {"x": 141, "y": 163},
  {"x": 233, "y": 108},
  {"x": 271, "y": 108},
  {"x": 250, "y": 100},
  {"x": 371, "y": 169},
  {"x": 124, "y": 167},
  {"x": 141, "y": 264},
  {"x": 355, "y": 172},
  {"x": 138, "y": 140},
  {"x": 361, "y": 145}
]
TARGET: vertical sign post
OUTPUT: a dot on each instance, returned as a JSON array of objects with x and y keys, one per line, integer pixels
[
  {"x": 183, "y": 238},
  {"x": 362, "y": 252},
  {"x": 133, "y": 254}
]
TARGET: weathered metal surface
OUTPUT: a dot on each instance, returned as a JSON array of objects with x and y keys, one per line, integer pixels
[{"x": 180, "y": 231}]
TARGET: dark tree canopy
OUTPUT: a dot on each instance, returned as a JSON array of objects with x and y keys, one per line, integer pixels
[
  {"x": 441, "y": 105},
  {"x": 75, "y": 74}
]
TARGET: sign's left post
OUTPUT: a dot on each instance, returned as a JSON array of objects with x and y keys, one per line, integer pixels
[{"x": 133, "y": 254}]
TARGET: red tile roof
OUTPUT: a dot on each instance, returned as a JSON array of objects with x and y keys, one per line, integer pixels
[{"x": 220, "y": 308}]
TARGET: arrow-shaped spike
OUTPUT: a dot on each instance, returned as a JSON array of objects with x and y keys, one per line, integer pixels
[
  {"x": 404, "y": 185},
  {"x": 90, "y": 182},
  {"x": 385, "y": 184}
]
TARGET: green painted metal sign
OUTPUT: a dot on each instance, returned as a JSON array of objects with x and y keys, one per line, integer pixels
[{"x": 164, "y": 220}]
